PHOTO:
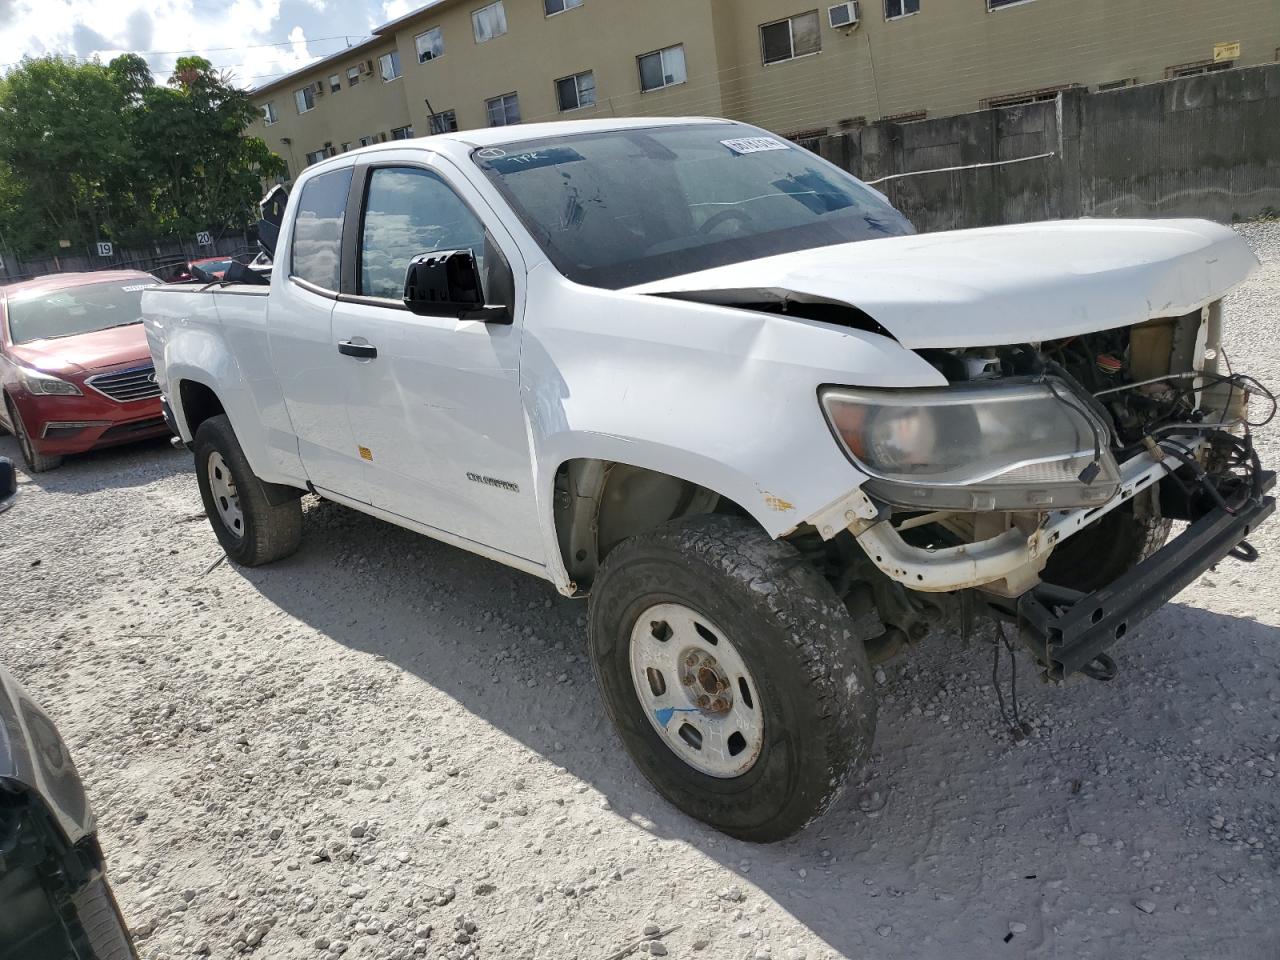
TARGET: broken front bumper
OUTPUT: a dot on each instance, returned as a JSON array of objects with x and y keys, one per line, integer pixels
[{"x": 1069, "y": 631}]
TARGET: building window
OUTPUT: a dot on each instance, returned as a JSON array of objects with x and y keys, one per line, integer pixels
[
  {"x": 577, "y": 91},
  {"x": 346, "y": 146},
  {"x": 664, "y": 68},
  {"x": 910, "y": 116},
  {"x": 366, "y": 141},
  {"x": 1117, "y": 84},
  {"x": 389, "y": 64},
  {"x": 1197, "y": 68},
  {"x": 489, "y": 22},
  {"x": 552, "y": 7},
  {"x": 900, "y": 8},
  {"x": 269, "y": 115},
  {"x": 430, "y": 45},
  {"x": 1022, "y": 99},
  {"x": 997, "y": 4},
  {"x": 305, "y": 99},
  {"x": 315, "y": 156},
  {"x": 503, "y": 110},
  {"x": 402, "y": 133},
  {"x": 353, "y": 76},
  {"x": 335, "y": 83},
  {"x": 446, "y": 121},
  {"x": 797, "y": 36}
]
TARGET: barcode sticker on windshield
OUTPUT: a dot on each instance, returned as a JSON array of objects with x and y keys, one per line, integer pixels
[{"x": 755, "y": 145}]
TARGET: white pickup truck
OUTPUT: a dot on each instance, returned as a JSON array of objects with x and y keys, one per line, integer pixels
[{"x": 720, "y": 388}]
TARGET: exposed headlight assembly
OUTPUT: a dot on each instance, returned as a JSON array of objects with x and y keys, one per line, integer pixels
[
  {"x": 996, "y": 445},
  {"x": 46, "y": 384}
]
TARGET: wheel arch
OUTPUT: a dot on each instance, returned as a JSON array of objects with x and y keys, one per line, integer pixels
[
  {"x": 197, "y": 402},
  {"x": 599, "y": 503}
]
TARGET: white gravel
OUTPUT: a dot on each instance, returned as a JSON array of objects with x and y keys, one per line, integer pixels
[{"x": 385, "y": 747}]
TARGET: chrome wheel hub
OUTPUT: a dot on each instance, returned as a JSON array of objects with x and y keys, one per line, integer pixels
[
  {"x": 225, "y": 499},
  {"x": 696, "y": 690}
]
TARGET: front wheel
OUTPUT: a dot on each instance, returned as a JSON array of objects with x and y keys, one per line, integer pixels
[
  {"x": 36, "y": 461},
  {"x": 732, "y": 673},
  {"x": 251, "y": 529}
]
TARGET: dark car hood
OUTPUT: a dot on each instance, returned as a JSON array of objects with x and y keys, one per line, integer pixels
[
  {"x": 33, "y": 756},
  {"x": 86, "y": 352}
]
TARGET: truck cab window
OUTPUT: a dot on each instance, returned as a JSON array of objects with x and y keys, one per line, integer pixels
[
  {"x": 317, "y": 229},
  {"x": 410, "y": 212}
]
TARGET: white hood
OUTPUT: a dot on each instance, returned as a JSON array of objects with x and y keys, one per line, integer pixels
[{"x": 1001, "y": 285}]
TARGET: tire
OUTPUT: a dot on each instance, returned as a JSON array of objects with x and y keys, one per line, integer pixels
[
  {"x": 810, "y": 686},
  {"x": 1099, "y": 554},
  {"x": 250, "y": 528},
  {"x": 36, "y": 462}
]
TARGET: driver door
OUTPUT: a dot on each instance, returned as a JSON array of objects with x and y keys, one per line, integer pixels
[{"x": 438, "y": 409}]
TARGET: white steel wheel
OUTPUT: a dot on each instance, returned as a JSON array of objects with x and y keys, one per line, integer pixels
[
  {"x": 225, "y": 498},
  {"x": 696, "y": 690}
]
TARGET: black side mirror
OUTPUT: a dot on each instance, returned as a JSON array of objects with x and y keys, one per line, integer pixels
[
  {"x": 273, "y": 207},
  {"x": 446, "y": 283}
]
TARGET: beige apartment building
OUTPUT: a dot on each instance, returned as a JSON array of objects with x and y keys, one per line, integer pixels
[{"x": 797, "y": 70}]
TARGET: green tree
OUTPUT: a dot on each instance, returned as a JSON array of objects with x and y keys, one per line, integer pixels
[
  {"x": 91, "y": 152},
  {"x": 67, "y": 154}
]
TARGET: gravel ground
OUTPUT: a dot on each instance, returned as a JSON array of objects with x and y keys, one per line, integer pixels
[{"x": 385, "y": 747}]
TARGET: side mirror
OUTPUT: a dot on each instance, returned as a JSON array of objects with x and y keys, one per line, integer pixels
[
  {"x": 446, "y": 283},
  {"x": 273, "y": 207}
]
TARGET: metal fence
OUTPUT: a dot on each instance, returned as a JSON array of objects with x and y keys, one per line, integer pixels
[{"x": 162, "y": 258}]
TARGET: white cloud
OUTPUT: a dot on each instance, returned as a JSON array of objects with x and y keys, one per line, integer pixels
[
  {"x": 236, "y": 37},
  {"x": 395, "y": 9}
]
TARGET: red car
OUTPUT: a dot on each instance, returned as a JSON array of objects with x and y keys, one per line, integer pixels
[{"x": 75, "y": 371}]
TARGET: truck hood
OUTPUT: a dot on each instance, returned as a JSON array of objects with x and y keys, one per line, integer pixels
[
  {"x": 997, "y": 285},
  {"x": 85, "y": 352}
]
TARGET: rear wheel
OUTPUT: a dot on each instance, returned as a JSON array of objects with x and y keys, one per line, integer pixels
[
  {"x": 732, "y": 673},
  {"x": 36, "y": 461},
  {"x": 251, "y": 529}
]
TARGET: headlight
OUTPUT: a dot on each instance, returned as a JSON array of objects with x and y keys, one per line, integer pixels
[
  {"x": 47, "y": 384},
  {"x": 997, "y": 445}
]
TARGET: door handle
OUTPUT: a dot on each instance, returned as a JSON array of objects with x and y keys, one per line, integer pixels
[{"x": 361, "y": 351}]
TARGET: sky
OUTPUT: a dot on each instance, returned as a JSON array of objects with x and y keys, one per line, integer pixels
[{"x": 255, "y": 40}]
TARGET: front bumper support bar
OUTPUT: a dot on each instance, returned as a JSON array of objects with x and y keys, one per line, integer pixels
[{"x": 1069, "y": 630}]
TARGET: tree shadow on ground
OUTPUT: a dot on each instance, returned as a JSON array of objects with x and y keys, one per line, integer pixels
[{"x": 968, "y": 834}]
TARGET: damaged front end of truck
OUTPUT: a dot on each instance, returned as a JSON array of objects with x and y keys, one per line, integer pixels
[{"x": 1042, "y": 483}]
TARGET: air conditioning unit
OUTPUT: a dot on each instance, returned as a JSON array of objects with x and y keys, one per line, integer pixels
[
  {"x": 843, "y": 15},
  {"x": 365, "y": 67},
  {"x": 317, "y": 88}
]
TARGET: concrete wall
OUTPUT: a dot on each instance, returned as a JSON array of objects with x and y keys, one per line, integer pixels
[{"x": 1205, "y": 146}]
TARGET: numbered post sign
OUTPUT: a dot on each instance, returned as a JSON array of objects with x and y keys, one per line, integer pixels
[
  {"x": 204, "y": 239},
  {"x": 105, "y": 250}
]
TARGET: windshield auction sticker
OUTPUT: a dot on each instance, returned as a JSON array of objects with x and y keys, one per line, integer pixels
[{"x": 755, "y": 145}]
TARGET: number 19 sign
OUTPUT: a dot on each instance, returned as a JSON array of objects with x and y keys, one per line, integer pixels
[{"x": 105, "y": 250}]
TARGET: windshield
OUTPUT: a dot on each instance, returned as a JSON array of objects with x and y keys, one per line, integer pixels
[
  {"x": 75, "y": 310},
  {"x": 626, "y": 207}
]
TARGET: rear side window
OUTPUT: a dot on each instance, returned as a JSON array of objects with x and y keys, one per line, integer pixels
[{"x": 317, "y": 230}]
